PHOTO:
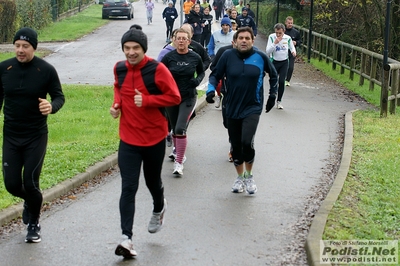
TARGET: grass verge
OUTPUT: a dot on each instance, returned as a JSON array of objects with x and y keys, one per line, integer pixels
[
  {"x": 368, "y": 207},
  {"x": 6, "y": 55},
  {"x": 74, "y": 27}
]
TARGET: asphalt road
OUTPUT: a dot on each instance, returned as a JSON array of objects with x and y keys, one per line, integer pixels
[{"x": 206, "y": 224}]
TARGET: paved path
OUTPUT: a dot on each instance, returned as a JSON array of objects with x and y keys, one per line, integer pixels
[{"x": 206, "y": 224}]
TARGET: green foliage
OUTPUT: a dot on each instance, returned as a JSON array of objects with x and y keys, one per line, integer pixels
[
  {"x": 8, "y": 14},
  {"x": 358, "y": 22},
  {"x": 35, "y": 14},
  {"x": 267, "y": 14},
  {"x": 66, "y": 5}
]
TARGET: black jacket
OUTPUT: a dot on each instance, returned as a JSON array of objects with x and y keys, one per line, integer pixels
[
  {"x": 209, "y": 18},
  {"x": 21, "y": 84},
  {"x": 200, "y": 50},
  {"x": 197, "y": 18}
]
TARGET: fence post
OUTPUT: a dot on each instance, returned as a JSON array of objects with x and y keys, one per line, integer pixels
[
  {"x": 327, "y": 51},
  {"x": 372, "y": 75},
  {"x": 320, "y": 45},
  {"x": 335, "y": 55},
  {"x": 352, "y": 63},
  {"x": 54, "y": 9},
  {"x": 343, "y": 58},
  {"x": 362, "y": 69},
  {"x": 393, "y": 91},
  {"x": 397, "y": 85},
  {"x": 384, "y": 92},
  {"x": 314, "y": 42}
]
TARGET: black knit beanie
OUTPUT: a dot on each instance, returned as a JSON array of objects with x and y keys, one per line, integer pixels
[
  {"x": 135, "y": 34},
  {"x": 27, "y": 34}
]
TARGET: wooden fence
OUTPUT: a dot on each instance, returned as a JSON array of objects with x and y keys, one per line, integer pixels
[{"x": 366, "y": 64}]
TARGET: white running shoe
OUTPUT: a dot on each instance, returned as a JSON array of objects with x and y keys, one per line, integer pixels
[
  {"x": 251, "y": 187},
  {"x": 157, "y": 220},
  {"x": 238, "y": 186},
  {"x": 279, "y": 105},
  {"x": 218, "y": 101},
  {"x": 125, "y": 249},
  {"x": 178, "y": 169}
]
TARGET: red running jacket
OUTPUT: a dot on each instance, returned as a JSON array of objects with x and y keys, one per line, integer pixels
[{"x": 146, "y": 125}]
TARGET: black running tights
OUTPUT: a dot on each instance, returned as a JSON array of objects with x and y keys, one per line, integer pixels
[
  {"x": 22, "y": 164},
  {"x": 241, "y": 134},
  {"x": 130, "y": 159}
]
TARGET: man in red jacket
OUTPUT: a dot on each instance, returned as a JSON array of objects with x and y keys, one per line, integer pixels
[{"x": 142, "y": 88}]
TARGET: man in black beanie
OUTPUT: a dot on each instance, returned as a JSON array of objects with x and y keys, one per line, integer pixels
[
  {"x": 143, "y": 88},
  {"x": 25, "y": 82}
]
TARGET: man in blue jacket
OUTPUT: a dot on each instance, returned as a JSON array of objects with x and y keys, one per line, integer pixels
[{"x": 244, "y": 69}]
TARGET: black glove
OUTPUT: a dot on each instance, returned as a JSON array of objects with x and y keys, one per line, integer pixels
[
  {"x": 210, "y": 97},
  {"x": 193, "y": 83},
  {"x": 270, "y": 104}
]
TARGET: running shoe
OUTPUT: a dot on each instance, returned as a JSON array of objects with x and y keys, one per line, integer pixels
[
  {"x": 251, "y": 187},
  {"x": 126, "y": 249},
  {"x": 238, "y": 186},
  {"x": 287, "y": 83},
  {"x": 230, "y": 158},
  {"x": 279, "y": 105},
  {"x": 218, "y": 101},
  {"x": 178, "y": 169},
  {"x": 33, "y": 235},
  {"x": 157, "y": 220}
]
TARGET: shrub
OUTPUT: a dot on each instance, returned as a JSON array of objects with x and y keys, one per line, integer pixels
[
  {"x": 8, "y": 14},
  {"x": 35, "y": 14}
]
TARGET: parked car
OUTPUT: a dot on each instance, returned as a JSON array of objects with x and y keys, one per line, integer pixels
[{"x": 117, "y": 8}]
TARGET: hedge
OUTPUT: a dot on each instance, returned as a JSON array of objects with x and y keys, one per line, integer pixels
[{"x": 36, "y": 14}]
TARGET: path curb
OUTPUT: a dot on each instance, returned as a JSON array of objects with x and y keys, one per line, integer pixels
[
  {"x": 318, "y": 224},
  {"x": 15, "y": 211}
]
